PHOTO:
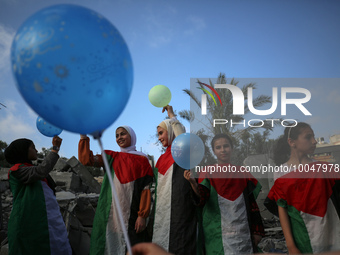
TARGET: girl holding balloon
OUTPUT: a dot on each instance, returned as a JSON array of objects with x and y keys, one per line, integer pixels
[
  {"x": 35, "y": 224},
  {"x": 232, "y": 222},
  {"x": 101, "y": 74},
  {"x": 132, "y": 175},
  {"x": 174, "y": 226}
]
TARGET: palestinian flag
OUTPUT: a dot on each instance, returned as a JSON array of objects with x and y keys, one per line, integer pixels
[
  {"x": 225, "y": 215},
  {"x": 312, "y": 204},
  {"x": 35, "y": 224},
  {"x": 131, "y": 174},
  {"x": 175, "y": 217}
]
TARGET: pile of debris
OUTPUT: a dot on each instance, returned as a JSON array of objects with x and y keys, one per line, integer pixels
[
  {"x": 78, "y": 189},
  {"x": 274, "y": 241}
]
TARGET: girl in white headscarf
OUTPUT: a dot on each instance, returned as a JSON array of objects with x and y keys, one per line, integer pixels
[
  {"x": 132, "y": 148},
  {"x": 132, "y": 175},
  {"x": 175, "y": 218}
]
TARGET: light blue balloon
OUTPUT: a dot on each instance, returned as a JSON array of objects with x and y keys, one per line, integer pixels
[
  {"x": 187, "y": 150},
  {"x": 46, "y": 128},
  {"x": 73, "y": 68}
]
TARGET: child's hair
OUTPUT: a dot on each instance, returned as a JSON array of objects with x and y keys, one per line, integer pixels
[
  {"x": 282, "y": 148},
  {"x": 218, "y": 136}
]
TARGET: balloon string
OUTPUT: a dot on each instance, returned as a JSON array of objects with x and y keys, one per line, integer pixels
[{"x": 115, "y": 199}]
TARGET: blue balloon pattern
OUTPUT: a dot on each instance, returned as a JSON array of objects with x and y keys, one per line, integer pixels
[
  {"x": 46, "y": 128},
  {"x": 187, "y": 150},
  {"x": 72, "y": 67}
]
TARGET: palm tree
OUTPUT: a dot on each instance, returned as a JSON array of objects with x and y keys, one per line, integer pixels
[{"x": 224, "y": 111}]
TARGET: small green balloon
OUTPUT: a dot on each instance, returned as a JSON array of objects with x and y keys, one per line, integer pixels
[{"x": 160, "y": 96}]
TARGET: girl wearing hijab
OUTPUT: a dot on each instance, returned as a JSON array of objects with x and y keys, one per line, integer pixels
[
  {"x": 132, "y": 175},
  {"x": 35, "y": 224},
  {"x": 175, "y": 219}
]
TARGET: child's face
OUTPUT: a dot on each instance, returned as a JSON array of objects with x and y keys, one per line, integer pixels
[
  {"x": 222, "y": 150},
  {"x": 123, "y": 138},
  {"x": 305, "y": 143},
  {"x": 163, "y": 136},
  {"x": 32, "y": 152}
]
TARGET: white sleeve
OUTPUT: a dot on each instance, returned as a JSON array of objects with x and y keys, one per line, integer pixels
[{"x": 177, "y": 126}]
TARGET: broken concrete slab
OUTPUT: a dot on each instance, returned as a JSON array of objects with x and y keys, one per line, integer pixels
[
  {"x": 78, "y": 211},
  {"x": 4, "y": 174},
  {"x": 4, "y": 250},
  {"x": 85, "y": 176},
  {"x": 64, "y": 195},
  {"x": 73, "y": 162},
  {"x": 68, "y": 181},
  {"x": 85, "y": 211},
  {"x": 4, "y": 185},
  {"x": 61, "y": 166}
]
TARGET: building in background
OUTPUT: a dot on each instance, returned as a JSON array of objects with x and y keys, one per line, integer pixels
[{"x": 329, "y": 152}]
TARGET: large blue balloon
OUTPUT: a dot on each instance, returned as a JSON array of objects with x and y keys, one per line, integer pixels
[
  {"x": 72, "y": 67},
  {"x": 46, "y": 128},
  {"x": 187, "y": 150}
]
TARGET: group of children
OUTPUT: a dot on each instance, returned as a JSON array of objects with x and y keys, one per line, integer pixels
[{"x": 187, "y": 216}]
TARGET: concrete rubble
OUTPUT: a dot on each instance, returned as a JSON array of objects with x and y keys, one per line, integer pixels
[{"x": 274, "y": 241}]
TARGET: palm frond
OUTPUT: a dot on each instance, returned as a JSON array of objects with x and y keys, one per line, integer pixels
[
  {"x": 187, "y": 115},
  {"x": 193, "y": 97}
]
